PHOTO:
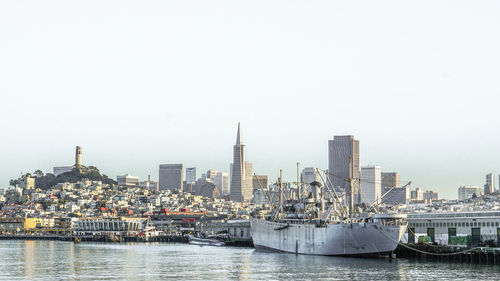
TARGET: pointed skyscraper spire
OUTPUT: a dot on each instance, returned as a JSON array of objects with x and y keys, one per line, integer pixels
[{"x": 238, "y": 136}]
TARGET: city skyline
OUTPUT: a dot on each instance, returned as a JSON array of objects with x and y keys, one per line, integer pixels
[
  {"x": 290, "y": 177},
  {"x": 169, "y": 85}
]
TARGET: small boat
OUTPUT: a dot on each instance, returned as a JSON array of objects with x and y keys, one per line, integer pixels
[{"x": 205, "y": 241}]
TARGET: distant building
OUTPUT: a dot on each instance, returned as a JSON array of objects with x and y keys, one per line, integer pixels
[
  {"x": 27, "y": 183},
  {"x": 221, "y": 180},
  {"x": 396, "y": 196},
  {"x": 259, "y": 182},
  {"x": 309, "y": 174},
  {"x": 127, "y": 180},
  {"x": 171, "y": 176},
  {"x": 149, "y": 184},
  {"x": 430, "y": 195},
  {"x": 241, "y": 189},
  {"x": 468, "y": 191},
  {"x": 78, "y": 157},
  {"x": 343, "y": 162},
  {"x": 390, "y": 180},
  {"x": 417, "y": 194},
  {"x": 371, "y": 190},
  {"x": 249, "y": 174},
  {"x": 206, "y": 188},
  {"x": 211, "y": 174},
  {"x": 190, "y": 175},
  {"x": 489, "y": 186}
]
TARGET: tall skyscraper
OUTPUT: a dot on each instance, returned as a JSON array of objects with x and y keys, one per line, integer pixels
[
  {"x": 371, "y": 188},
  {"x": 240, "y": 189},
  {"x": 343, "y": 161},
  {"x": 488, "y": 187},
  {"x": 78, "y": 157},
  {"x": 171, "y": 176},
  {"x": 190, "y": 175}
]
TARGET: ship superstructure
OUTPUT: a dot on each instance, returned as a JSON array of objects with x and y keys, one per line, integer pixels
[{"x": 325, "y": 223}]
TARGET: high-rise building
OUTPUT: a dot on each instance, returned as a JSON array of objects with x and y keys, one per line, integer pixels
[
  {"x": 249, "y": 174},
  {"x": 371, "y": 190},
  {"x": 78, "y": 157},
  {"x": 390, "y": 180},
  {"x": 190, "y": 175},
  {"x": 488, "y": 187},
  {"x": 240, "y": 190},
  {"x": 259, "y": 182},
  {"x": 170, "y": 176},
  {"x": 127, "y": 180},
  {"x": 221, "y": 180},
  {"x": 309, "y": 175},
  {"x": 343, "y": 162},
  {"x": 468, "y": 191}
]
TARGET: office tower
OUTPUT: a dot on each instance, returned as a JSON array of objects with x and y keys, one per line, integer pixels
[
  {"x": 371, "y": 189},
  {"x": 309, "y": 175},
  {"x": 259, "y": 182},
  {"x": 249, "y": 174},
  {"x": 343, "y": 162},
  {"x": 170, "y": 176},
  {"x": 127, "y": 180},
  {"x": 390, "y": 180},
  {"x": 221, "y": 180},
  {"x": 488, "y": 187},
  {"x": 190, "y": 175},
  {"x": 240, "y": 189},
  {"x": 468, "y": 191},
  {"x": 78, "y": 157}
]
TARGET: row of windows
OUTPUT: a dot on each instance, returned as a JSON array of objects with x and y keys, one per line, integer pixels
[{"x": 454, "y": 224}]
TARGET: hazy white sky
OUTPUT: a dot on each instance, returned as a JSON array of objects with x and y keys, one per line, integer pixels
[{"x": 140, "y": 83}]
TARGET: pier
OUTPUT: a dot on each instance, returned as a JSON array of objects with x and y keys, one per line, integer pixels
[{"x": 441, "y": 253}]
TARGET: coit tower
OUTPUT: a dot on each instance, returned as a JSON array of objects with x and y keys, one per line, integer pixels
[{"x": 78, "y": 157}]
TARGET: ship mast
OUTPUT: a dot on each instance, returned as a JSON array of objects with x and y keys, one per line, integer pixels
[
  {"x": 299, "y": 192},
  {"x": 351, "y": 193},
  {"x": 281, "y": 191}
]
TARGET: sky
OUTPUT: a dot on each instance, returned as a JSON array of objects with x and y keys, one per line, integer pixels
[{"x": 143, "y": 83}]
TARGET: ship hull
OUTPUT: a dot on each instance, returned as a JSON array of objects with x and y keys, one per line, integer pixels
[{"x": 353, "y": 239}]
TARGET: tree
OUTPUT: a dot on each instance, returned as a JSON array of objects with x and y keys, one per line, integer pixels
[
  {"x": 13, "y": 182},
  {"x": 38, "y": 173}
]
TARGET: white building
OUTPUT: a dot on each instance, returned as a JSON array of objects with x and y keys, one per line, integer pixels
[
  {"x": 466, "y": 191},
  {"x": 371, "y": 184},
  {"x": 127, "y": 180},
  {"x": 221, "y": 180}
]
